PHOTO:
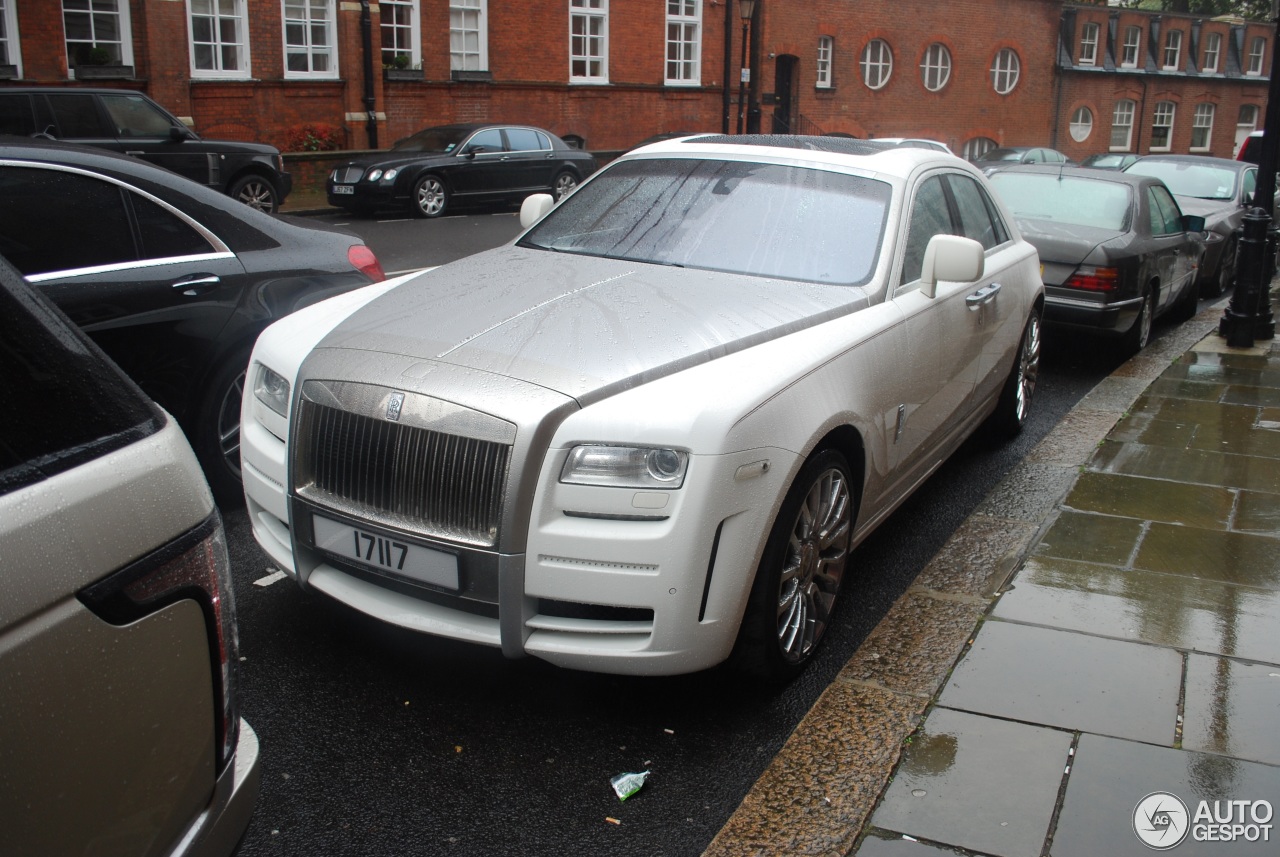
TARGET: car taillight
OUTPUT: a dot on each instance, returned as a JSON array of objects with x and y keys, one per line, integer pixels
[
  {"x": 363, "y": 260},
  {"x": 1091, "y": 279},
  {"x": 193, "y": 566}
]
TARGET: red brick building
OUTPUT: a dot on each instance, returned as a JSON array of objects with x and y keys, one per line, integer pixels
[{"x": 973, "y": 73}]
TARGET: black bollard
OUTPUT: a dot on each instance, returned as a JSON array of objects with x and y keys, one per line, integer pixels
[
  {"x": 1265, "y": 328},
  {"x": 1239, "y": 321}
]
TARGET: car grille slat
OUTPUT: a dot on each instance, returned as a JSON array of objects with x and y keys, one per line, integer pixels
[
  {"x": 425, "y": 481},
  {"x": 348, "y": 175}
]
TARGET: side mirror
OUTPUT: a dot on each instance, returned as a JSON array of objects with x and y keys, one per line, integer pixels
[
  {"x": 951, "y": 258},
  {"x": 534, "y": 208},
  {"x": 177, "y": 135},
  {"x": 1192, "y": 223}
]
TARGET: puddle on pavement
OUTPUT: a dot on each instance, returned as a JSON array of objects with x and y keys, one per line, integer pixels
[{"x": 1161, "y": 609}]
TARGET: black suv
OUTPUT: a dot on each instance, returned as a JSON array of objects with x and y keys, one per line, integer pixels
[{"x": 131, "y": 123}]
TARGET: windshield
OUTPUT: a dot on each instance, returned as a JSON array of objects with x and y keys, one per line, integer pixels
[
  {"x": 1075, "y": 201},
  {"x": 1205, "y": 181},
  {"x": 761, "y": 219},
  {"x": 444, "y": 139},
  {"x": 1004, "y": 155}
]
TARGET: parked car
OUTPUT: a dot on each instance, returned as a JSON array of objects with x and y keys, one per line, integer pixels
[
  {"x": 1109, "y": 160},
  {"x": 1251, "y": 148},
  {"x": 128, "y": 122},
  {"x": 917, "y": 142},
  {"x": 1116, "y": 252},
  {"x": 448, "y": 166},
  {"x": 118, "y": 652},
  {"x": 1218, "y": 189},
  {"x": 996, "y": 159},
  {"x": 645, "y": 436},
  {"x": 175, "y": 281}
]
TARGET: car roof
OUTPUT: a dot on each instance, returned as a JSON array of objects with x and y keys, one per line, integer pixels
[
  {"x": 1202, "y": 159},
  {"x": 838, "y": 152},
  {"x": 1110, "y": 176}
]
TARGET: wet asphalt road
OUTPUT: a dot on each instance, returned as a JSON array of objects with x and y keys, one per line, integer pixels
[{"x": 376, "y": 741}]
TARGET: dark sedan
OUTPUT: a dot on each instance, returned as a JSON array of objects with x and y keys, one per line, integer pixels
[
  {"x": 1115, "y": 249},
  {"x": 172, "y": 279},
  {"x": 1220, "y": 190},
  {"x": 454, "y": 165},
  {"x": 1110, "y": 160}
]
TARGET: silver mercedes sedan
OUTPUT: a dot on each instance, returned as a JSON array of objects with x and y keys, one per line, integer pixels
[{"x": 646, "y": 436}]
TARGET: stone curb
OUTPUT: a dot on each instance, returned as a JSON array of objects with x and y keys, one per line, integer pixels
[{"x": 818, "y": 792}]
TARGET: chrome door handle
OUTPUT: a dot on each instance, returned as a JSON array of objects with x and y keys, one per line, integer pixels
[
  {"x": 198, "y": 284},
  {"x": 982, "y": 296}
]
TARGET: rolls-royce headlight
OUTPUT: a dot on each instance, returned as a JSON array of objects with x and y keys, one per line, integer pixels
[
  {"x": 272, "y": 389},
  {"x": 625, "y": 467}
]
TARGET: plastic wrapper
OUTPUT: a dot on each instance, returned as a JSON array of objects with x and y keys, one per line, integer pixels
[{"x": 625, "y": 785}]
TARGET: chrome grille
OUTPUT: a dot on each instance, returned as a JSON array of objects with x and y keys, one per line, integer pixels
[
  {"x": 348, "y": 175},
  {"x": 414, "y": 478}
]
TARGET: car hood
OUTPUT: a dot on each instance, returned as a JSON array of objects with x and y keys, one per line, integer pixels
[
  {"x": 582, "y": 326},
  {"x": 1209, "y": 209},
  {"x": 389, "y": 160},
  {"x": 1063, "y": 243}
]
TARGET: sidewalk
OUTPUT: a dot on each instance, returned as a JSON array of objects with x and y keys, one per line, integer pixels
[
  {"x": 303, "y": 203},
  {"x": 1124, "y": 583}
]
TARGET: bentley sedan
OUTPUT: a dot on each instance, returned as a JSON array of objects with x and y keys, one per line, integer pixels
[
  {"x": 449, "y": 166},
  {"x": 172, "y": 279},
  {"x": 646, "y": 436},
  {"x": 1218, "y": 189},
  {"x": 1115, "y": 249}
]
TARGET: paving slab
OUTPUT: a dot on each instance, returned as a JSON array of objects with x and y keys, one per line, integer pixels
[
  {"x": 1188, "y": 465},
  {"x": 1162, "y": 609},
  {"x": 1069, "y": 680},
  {"x": 1110, "y": 777},
  {"x": 977, "y": 782},
  {"x": 1091, "y": 538},
  {"x": 1205, "y": 506},
  {"x": 1241, "y": 558},
  {"x": 1233, "y": 708},
  {"x": 894, "y": 845}
]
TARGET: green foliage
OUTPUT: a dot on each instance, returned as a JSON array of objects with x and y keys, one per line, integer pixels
[{"x": 313, "y": 138}]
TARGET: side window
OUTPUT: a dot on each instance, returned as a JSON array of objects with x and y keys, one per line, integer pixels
[
  {"x": 44, "y": 206},
  {"x": 15, "y": 115},
  {"x": 489, "y": 140},
  {"x": 77, "y": 116},
  {"x": 523, "y": 140},
  {"x": 976, "y": 217},
  {"x": 162, "y": 234},
  {"x": 134, "y": 116},
  {"x": 1166, "y": 218},
  {"x": 1250, "y": 183},
  {"x": 929, "y": 217}
]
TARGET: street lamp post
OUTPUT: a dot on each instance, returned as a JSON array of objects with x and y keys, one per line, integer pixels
[{"x": 746, "y": 8}]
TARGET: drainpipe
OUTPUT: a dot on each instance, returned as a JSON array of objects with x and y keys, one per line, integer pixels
[
  {"x": 370, "y": 103},
  {"x": 728, "y": 68}
]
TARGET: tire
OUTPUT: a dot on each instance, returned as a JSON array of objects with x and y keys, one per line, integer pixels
[
  {"x": 216, "y": 435},
  {"x": 563, "y": 185},
  {"x": 1137, "y": 337},
  {"x": 1014, "y": 406},
  {"x": 798, "y": 581},
  {"x": 1225, "y": 276},
  {"x": 256, "y": 192},
  {"x": 430, "y": 197}
]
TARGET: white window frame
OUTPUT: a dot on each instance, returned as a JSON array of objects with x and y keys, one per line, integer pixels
[
  {"x": 307, "y": 47},
  {"x": 590, "y": 46},
  {"x": 936, "y": 67},
  {"x": 468, "y": 19},
  {"x": 1089, "y": 44},
  {"x": 1132, "y": 50},
  {"x": 826, "y": 50},
  {"x": 124, "y": 26},
  {"x": 1172, "y": 50},
  {"x": 878, "y": 68},
  {"x": 1122, "y": 117},
  {"x": 1162, "y": 118},
  {"x": 1257, "y": 54},
  {"x": 1212, "y": 51},
  {"x": 684, "y": 43},
  {"x": 1246, "y": 123},
  {"x": 413, "y": 30},
  {"x": 211, "y": 9},
  {"x": 1006, "y": 68},
  {"x": 1202, "y": 128},
  {"x": 977, "y": 147},
  {"x": 9, "y": 40},
  {"x": 1081, "y": 124}
]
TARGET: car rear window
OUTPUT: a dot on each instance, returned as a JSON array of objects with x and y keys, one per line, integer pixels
[
  {"x": 64, "y": 402},
  {"x": 1065, "y": 199},
  {"x": 767, "y": 220}
]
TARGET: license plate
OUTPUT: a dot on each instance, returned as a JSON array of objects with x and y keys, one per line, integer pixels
[
  {"x": 343, "y": 188},
  {"x": 385, "y": 553}
]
